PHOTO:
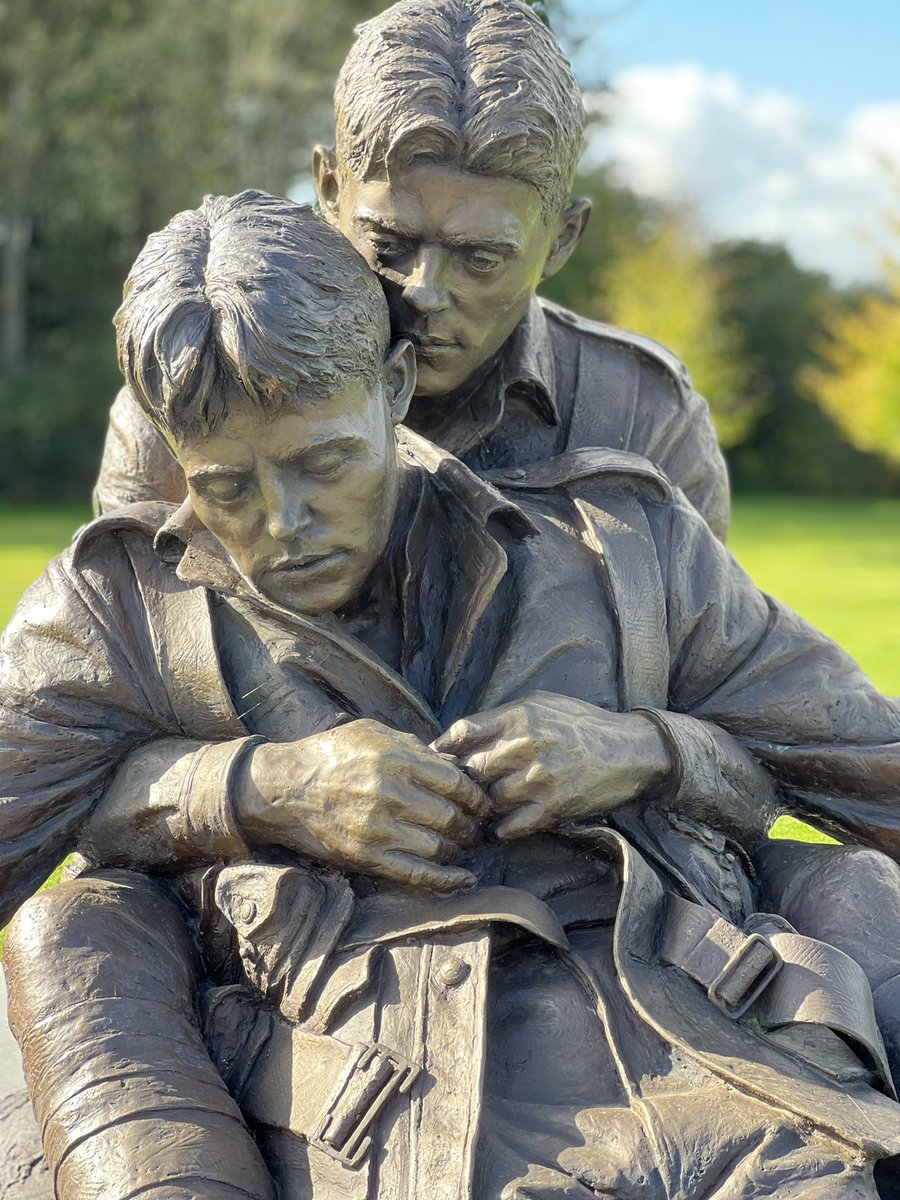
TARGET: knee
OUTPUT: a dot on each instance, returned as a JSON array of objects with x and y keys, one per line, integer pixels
[
  {"x": 80, "y": 910},
  {"x": 796, "y": 877},
  {"x": 109, "y": 932}
]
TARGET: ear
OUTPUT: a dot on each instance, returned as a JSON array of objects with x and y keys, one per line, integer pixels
[
  {"x": 399, "y": 373},
  {"x": 325, "y": 174},
  {"x": 574, "y": 223}
]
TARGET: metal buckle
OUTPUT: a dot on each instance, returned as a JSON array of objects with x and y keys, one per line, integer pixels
[
  {"x": 745, "y": 976},
  {"x": 373, "y": 1078}
]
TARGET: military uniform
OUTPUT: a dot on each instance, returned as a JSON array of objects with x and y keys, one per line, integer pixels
[{"x": 144, "y": 634}]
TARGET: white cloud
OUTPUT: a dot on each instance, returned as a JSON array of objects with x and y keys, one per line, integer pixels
[{"x": 757, "y": 164}]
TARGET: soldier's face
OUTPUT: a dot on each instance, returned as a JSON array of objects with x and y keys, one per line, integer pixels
[
  {"x": 302, "y": 501},
  {"x": 460, "y": 256}
]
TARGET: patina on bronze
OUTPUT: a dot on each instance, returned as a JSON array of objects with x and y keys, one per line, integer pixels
[
  {"x": 458, "y": 129},
  {"x": 434, "y": 761}
]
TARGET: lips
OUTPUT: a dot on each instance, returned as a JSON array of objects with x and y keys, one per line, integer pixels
[
  {"x": 308, "y": 564},
  {"x": 428, "y": 344}
]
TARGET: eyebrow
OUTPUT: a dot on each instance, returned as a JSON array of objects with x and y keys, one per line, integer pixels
[
  {"x": 338, "y": 442},
  {"x": 214, "y": 471},
  {"x": 459, "y": 241}
]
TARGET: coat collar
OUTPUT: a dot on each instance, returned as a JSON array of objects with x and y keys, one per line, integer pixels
[
  {"x": 524, "y": 369},
  {"x": 453, "y": 563}
]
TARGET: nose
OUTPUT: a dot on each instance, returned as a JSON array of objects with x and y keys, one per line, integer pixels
[
  {"x": 424, "y": 289},
  {"x": 287, "y": 511}
]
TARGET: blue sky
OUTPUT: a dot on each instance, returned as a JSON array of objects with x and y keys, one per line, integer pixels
[{"x": 771, "y": 118}]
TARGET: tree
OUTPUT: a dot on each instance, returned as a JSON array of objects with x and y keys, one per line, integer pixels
[
  {"x": 121, "y": 113},
  {"x": 858, "y": 382},
  {"x": 664, "y": 286}
]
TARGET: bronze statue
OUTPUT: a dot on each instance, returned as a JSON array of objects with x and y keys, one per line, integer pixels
[
  {"x": 458, "y": 128},
  {"x": 422, "y": 810},
  {"x": 459, "y": 124}
]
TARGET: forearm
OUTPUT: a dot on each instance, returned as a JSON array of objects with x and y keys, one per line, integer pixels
[{"x": 170, "y": 806}]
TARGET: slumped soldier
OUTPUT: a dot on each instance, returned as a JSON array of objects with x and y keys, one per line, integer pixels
[{"x": 546, "y": 982}]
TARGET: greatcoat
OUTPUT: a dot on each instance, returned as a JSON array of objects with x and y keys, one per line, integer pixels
[{"x": 143, "y": 631}]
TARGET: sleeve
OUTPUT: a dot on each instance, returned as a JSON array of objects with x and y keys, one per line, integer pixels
[
  {"x": 169, "y": 807},
  {"x": 79, "y": 689},
  {"x": 137, "y": 464},
  {"x": 687, "y": 449},
  {"x": 800, "y": 704}
]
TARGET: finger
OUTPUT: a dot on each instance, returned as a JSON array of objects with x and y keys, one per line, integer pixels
[
  {"x": 531, "y": 818},
  {"x": 406, "y": 868},
  {"x": 470, "y": 733},
  {"x": 427, "y": 811},
  {"x": 506, "y": 757},
  {"x": 423, "y": 843},
  {"x": 444, "y": 778},
  {"x": 515, "y": 790}
]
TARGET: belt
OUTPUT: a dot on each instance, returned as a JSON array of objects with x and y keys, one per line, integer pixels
[
  {"x": 345, "y": 1089},
  {"x": 779, "y": 977}
]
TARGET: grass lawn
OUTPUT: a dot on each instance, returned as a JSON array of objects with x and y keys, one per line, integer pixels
[{"x": 837, "y": 562}]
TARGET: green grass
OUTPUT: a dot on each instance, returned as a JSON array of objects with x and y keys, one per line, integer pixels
[
  {"x": 836, "y": 562},
  {"x": 29, "y": 538}
]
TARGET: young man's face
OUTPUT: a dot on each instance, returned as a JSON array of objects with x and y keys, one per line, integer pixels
[
  {"x": 460, "y": 255},
  {"x": 302, "y": 501}
]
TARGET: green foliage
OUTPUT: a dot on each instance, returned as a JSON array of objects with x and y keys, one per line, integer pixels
[
  {"x": 781, "y": 310},
  {"x": 121, "y": 113},
  {"x": 664, "y": 286},
  {"x": 858, "y": 381}
]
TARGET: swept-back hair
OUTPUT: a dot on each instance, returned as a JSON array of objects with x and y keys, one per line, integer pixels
[
  {"x": 480, "y": 84},
  {"x": 248, "y": 299}
]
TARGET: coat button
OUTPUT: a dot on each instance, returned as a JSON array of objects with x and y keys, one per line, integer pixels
[
  {"x": 452, "y": 972},
  {"x": 247, "y": 911}
]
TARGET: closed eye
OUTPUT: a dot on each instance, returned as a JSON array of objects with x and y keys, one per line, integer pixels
[{"x": 222, "y": 489}]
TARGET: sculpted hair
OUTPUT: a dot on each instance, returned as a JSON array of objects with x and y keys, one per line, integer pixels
[
  {"x": 248, "y": 299},
  {"x": 481, "y": 84}
]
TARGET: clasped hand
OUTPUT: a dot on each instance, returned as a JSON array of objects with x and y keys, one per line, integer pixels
[{"x": 369, "y": 799}]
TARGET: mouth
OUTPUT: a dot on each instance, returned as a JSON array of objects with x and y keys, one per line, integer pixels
[
  {"x": 309, "y": 564},
  {"x": 427, "y": 346}
]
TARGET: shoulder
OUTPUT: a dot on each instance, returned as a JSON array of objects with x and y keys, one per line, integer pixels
[
  {"x": 108, "y": 534},
  {"x": 602, "y": 340},
  {"x": 588, "y": 468}
]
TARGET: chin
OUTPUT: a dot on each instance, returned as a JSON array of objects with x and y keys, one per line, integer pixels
[
  {"x": 431, "y": 381},
  {"x": 315, "y": 599}
]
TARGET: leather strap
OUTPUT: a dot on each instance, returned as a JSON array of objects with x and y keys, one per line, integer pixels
[
  {"x": 385, "y": 918},
  {"x": 344, "y": 1089},
  {"x": 620, "y": 533},
  {"x": 784, "y": 979}
]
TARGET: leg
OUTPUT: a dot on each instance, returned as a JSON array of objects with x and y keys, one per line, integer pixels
[
  {"x": 101, "y": 974},
  {"x": 849, "y": 897}
]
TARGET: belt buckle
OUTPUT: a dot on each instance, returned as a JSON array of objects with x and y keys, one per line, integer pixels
[
  {"x": 745, "y": 976},
  {"x": 373, "y": 1078}
]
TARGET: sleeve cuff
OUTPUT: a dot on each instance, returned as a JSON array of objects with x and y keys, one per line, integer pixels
[
  {"x": 694, "y": 756},
  {"x": 204, "y": 816}
]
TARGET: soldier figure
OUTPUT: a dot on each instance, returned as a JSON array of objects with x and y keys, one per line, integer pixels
[{"x": 429, "y": 767}]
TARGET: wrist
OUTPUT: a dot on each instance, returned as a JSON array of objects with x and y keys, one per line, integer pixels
[
  {"x": 272, "y": 797},
  {"x": 250, "y": 799},
  {"x": 655, "y": 764}
]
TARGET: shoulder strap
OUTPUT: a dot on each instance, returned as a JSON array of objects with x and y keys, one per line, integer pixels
[{"x": 619, "y": 531}]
